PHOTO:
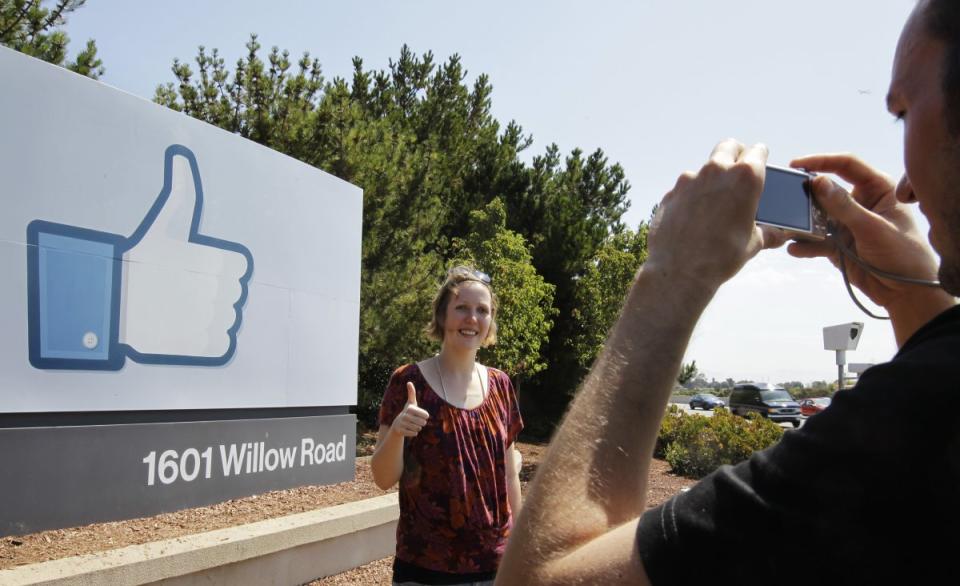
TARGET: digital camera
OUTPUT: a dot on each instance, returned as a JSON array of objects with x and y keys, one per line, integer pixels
[{"x": 787, "y": 202}]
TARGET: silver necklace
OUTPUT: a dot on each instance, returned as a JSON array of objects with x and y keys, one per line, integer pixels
[{"x": 443, "y": 389}]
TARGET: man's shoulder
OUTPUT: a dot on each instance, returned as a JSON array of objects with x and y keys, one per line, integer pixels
[
  {"x": 929, "y": 359},
  {"x": 937, "y": 340}
]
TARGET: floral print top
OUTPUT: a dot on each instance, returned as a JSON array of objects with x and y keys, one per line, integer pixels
[{"x": 454, "y": 514}]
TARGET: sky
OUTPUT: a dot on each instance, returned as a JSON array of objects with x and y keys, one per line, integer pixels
[{"x": 653, "y": 83}]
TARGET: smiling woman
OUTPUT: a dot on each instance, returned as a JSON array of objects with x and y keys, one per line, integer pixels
[{"x": 447, "y": 431}]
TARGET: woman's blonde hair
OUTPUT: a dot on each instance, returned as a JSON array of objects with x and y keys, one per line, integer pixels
[{"x": 450, "y": 287}]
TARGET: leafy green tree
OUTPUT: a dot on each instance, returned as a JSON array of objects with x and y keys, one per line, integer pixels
[
  {"x": 568, "y": 212},
  {"x": 599, "y": 294},
  {"x": 688, "y": 372},
  {"x": 816, "y": 389},
  {"x": 268, "y": 102},
  {"x": 526, "y": 300},
  {"x": 421, "y": 144},
  {"x": 29, "y": 27},
  {"x": 429, "y": 155}
]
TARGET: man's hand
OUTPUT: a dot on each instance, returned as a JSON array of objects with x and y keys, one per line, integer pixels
[
  {"x": 411, "y": 420},
  {"x": 704, "y": 229},
  {"x": 882, "y": 232}
]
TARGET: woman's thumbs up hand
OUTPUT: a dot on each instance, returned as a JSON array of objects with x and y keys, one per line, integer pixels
[{"x": 411, "y": 420}]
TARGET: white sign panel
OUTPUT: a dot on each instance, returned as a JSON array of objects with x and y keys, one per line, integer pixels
[{"x": 153, "y": 262}]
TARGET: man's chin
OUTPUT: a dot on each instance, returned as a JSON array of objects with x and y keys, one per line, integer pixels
[{"x": 949, "y": 275}]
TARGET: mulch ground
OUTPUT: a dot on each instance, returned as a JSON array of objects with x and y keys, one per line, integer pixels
[{"x": 54, "y": 544}]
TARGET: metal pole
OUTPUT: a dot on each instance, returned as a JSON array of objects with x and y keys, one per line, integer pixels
[{"x": 841, "y": 360}]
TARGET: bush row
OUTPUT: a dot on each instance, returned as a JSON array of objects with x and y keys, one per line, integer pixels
[{"x": 694, "y": 445}]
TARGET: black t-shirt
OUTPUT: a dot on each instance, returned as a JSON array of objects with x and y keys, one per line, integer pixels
[{"x": 866, "y": 492}]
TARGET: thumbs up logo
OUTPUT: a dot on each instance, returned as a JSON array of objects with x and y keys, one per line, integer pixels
[{"x": 166, "y": 294}]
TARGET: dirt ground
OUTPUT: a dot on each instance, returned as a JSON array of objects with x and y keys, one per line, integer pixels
[{"x": 60, "y": 543}]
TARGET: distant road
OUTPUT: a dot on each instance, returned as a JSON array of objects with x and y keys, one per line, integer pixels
[{"x": 687, "y": 409}]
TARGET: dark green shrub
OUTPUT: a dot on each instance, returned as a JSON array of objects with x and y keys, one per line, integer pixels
[{"x": 694, "y": 445}]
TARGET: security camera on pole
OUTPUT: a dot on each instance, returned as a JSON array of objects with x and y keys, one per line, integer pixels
[{"x": 841, "y": 338}]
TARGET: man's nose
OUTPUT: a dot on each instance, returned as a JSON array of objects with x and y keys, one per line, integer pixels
[{"x": 905, "y": 190}]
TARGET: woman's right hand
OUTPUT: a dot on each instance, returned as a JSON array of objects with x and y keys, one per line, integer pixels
[{"x": 412, "y": 418}]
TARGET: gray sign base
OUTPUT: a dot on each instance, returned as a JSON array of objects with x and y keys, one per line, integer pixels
[{"x": 58, "y": 477}]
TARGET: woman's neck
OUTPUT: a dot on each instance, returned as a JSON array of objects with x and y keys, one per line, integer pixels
[{"x": 457, "y": 362}]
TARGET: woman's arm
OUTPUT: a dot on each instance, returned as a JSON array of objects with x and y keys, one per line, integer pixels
[
  {"x": 386, "y": 464},
  {"x": 514, "y": 462}
]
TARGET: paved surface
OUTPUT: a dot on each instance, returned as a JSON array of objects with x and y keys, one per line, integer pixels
[{"x": 687, "y": 408}]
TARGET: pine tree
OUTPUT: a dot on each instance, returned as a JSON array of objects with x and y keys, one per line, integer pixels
[
  {"x": 27, "y": 26},
  {"x": 442, "y": 179}
]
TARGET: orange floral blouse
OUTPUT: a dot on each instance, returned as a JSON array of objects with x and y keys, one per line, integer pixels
[{"x": 454, "y": 514}]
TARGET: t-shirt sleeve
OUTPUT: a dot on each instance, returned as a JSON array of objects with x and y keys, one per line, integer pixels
[
  {"x": 826, "y": 500},
  {"x": 742, "y": 524},
  {"x": 394, "y": 396},
  {"x": 514, "y": 422}
]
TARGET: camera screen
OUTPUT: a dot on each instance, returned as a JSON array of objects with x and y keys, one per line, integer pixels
[{"x": 785, "y": 201}]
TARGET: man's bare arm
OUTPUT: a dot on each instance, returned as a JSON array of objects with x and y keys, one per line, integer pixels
[
  {"x": 595, "y": 475},
  {"x": 580, "y": 515}
]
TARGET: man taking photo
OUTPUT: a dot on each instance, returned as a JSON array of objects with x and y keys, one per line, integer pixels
[{"x": 835, "y": 489}]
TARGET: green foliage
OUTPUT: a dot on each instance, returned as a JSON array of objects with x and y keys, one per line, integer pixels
[
  {"x": 688, "y": 372},
  {"x": 395, "y": 306},
  {"x": 526, "y": 300},
  {"x": 27, "y": 26},
  {"x": 695, "y": 446},
  {"x": 266, "y": 102},
  {"x": 569, "y": 211},
  {"x": 799, "y": 393},
  {"x": 816, "y": 389},
  {"x": 433, "y": 164},
  {"x": 599, "y": 293},
  {"x": 700, "y": 384}
]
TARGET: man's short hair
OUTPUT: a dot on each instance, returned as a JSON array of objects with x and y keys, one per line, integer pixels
[{"x": 941, "y": 20}]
